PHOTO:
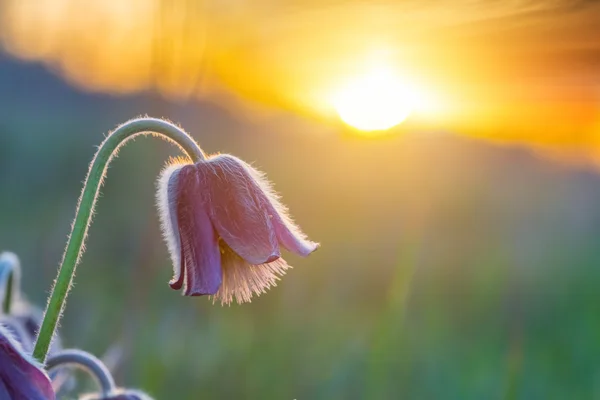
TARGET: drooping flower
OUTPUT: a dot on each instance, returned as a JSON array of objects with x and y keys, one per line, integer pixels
[
  {"x": 20, "y": 376},
  {"x": 119, "y": 394},
  {"x": 224, "y": 225}
]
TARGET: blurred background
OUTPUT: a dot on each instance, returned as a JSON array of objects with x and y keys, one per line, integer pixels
[{"x": 443, "y": 153}]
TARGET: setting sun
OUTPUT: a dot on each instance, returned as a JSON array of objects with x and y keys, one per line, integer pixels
[{"x": 375, "y": 101}]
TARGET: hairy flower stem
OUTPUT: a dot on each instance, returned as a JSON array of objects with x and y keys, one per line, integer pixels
[{"x": 85, "y": 209}]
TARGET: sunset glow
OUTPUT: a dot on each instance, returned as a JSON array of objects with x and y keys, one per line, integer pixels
[
  {"x": 376, "y": 101},
  {"x": 508, "y": 72}
]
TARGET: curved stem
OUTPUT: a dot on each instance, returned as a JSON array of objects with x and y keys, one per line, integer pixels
[
  {"x": 83, "y": 217},
  {"x": 10, "y": 280},
  {"x": 87, "y": 362}
]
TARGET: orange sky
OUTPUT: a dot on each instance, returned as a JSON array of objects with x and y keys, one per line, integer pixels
[{"x": 518, "y": 71}]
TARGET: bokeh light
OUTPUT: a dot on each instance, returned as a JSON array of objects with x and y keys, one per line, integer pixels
[{"x": 374, "y": 102}]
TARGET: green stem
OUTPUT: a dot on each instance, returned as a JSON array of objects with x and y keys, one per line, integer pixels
[{"x": 85, "y": 209}]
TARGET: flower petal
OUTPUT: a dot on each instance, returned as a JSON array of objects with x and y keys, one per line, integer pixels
[
  {"x": 166, "y": 200},
  {"x": 242, "y": 280},
  {"x": 201, "y": 257},
  {"x": 4, "y": 394},
  {"x": 19, "y": 374},
  {"x": 287, "y": 232},
  {"x": 237, "y": 210}
]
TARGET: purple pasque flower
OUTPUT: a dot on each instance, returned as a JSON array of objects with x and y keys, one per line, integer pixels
[
  {"x": 21, "y": 378},
  {"x": 224, "y": 225},
  {"x": 119, "y": 394}
]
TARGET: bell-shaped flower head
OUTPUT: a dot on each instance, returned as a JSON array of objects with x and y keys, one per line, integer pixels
[
  {"x": 20, "y": 376},
  {"x": 224, "y": 226}
]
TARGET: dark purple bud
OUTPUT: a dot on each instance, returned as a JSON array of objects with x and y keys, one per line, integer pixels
[
  {"x": 29, "y": 317},
  {"x": 24, "y": 322},
  {"x": 21, "y": 318},
  {"x": 20, "y": 376}
]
